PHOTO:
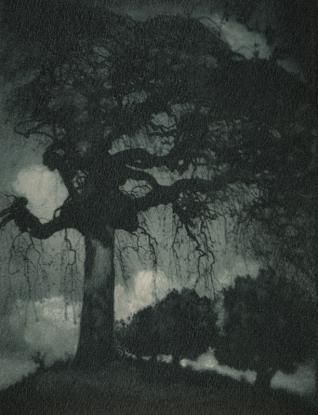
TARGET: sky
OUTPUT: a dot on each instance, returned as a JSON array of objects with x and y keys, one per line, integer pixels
[
  {"x": 43, "y": 188},
  {"x": 49, "y": 325}
]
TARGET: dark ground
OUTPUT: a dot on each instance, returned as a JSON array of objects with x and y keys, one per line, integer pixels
[{"x": 132, "y": 387}]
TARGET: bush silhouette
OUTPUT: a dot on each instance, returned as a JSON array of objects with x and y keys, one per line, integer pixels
[
  {"x": 269, "y": 325},
  {"x": 183, "y": 324}
]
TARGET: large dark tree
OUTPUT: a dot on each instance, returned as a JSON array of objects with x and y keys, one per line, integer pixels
[{"x": 124, "y": 102}]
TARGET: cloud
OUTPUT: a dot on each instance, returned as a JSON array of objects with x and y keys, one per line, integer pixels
[
  {"x": 302, "y": 382},
  {"x": 241, "y": 40},
  {"x": 48, "y": 327},
  {"x": 43, "y": 188},
  {"x": 146, "y": 288},
  {"x": 13, "y": 369},
  {"x": 207, "y": 361}
]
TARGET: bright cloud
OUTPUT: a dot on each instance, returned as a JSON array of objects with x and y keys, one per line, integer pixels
[
  {"x": 301, "y": 382},
  {"x": 207, "y": 361},
  {"x": 43, "y": 188},
  {"x": 147, "y": 287},
  {"x": 14, "y": 369},
  {"x": 48, "y": 327},
  {"x": 241, "y": 40}
]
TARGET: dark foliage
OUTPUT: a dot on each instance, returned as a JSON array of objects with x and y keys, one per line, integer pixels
[
  {"x": 182, "y": 324},
  {"x": 269, "y": 325},
  {"x": 97, "y": 77}
]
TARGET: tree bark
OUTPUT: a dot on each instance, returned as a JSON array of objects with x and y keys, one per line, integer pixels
[
  {"x": 264, "y": 378},
  {"x": 96, "y": 340}
]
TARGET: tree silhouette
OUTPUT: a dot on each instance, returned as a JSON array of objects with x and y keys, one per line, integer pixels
[
  {"x": 124, "y": 104},
  {"x": 269, "y": 326},
  {"x": 139, "y": 336},
  {"x": 181, "y": 324}
]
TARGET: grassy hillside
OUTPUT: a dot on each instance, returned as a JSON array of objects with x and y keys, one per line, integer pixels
[{"x": 130, "y": 387}]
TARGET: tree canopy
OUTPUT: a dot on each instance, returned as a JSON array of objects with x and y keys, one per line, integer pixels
[
  {"x": 269, "y": 325},
  {"x": 120, "y": 100},
  {"x": 182, "y": 325}
]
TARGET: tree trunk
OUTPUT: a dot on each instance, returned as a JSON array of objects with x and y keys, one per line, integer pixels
[
  {"x": 175, "y": 362},
  {"x": 263, "y": 379},
  {"x": 96, "y": 341}
]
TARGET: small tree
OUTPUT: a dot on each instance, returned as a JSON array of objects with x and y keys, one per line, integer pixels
[
  {"x": 182, "y": 324},
  {"x": 138, "y": 335},
  {"x": 268, "y": 326}
]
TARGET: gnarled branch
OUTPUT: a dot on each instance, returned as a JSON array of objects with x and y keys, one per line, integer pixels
[
  {"x": 141, "y": 158},
  {"x": 27, "y": 222},
  {"x": 163, "y": 195}
]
